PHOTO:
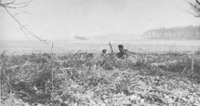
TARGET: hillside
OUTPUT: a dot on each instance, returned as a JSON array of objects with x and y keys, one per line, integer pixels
[{"x": 175, "y": 33}]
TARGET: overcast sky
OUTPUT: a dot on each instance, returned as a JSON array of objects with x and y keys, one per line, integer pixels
[{"x": 63, "y": 19}]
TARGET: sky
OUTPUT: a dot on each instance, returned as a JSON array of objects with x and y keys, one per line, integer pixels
[{"x": 64, "y": 19}]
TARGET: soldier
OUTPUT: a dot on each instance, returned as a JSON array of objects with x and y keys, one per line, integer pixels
[
  {"x": 104, "y": 51},
  {"x": 122, "y": 52}
]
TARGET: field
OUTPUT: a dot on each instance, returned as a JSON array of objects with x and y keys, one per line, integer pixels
[
  {"x": 28, "y": 47},
  {"x": 91, "y": 79}
]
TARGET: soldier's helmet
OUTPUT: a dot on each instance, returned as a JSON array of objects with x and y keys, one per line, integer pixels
[
  {"x": 120, "y": 47},
  {"x": 104, "y": 51}
]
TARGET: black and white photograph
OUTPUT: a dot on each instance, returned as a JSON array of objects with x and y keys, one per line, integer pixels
[{"x": 100, "y": 52}]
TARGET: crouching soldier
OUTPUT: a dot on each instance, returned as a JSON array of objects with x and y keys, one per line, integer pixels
[
  {"x": 104, "y": 60},
  {"x": 104, "y": 52},
  {"x": 123, "y": 53}
]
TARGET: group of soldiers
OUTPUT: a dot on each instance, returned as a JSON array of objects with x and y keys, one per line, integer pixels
[{"x": 123, "y": 53}]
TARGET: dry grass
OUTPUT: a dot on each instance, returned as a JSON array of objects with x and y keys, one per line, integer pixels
[{"x": 87, "y": 79}]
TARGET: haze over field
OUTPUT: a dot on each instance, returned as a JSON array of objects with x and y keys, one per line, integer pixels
[
  {"x": 24, "y": 47},
  {"x": 64, "y": 19},
  {"x": 91, "y": 24}
]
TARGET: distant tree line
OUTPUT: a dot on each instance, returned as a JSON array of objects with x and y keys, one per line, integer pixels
[{"x": 176, "y": 33}]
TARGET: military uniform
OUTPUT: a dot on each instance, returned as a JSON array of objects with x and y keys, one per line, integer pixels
[{"x": 122, "y": 54}]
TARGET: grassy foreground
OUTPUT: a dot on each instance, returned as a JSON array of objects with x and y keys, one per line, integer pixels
[{"x": 85, "y": 79}]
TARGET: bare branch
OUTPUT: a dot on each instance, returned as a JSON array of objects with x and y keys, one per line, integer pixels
[
  {"x": 196, "y": 8},
  {"x": 198, "y": 2},
  {"x": 9, "y": 3},
  {"x": 24, "y": 3},
  {"x": 14, "y": 5},
  {"x": 7, "y": 6},
  {"x": 23, "y": 28}
]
